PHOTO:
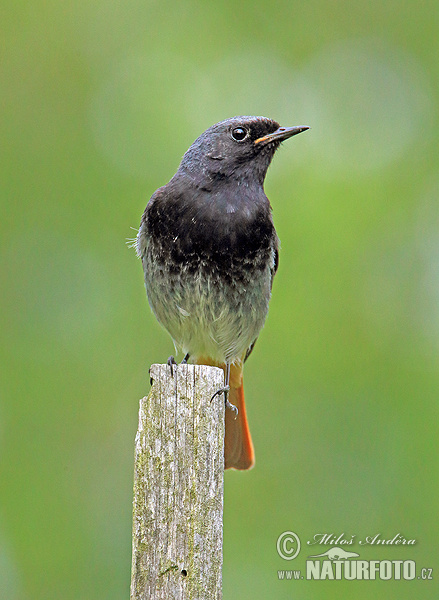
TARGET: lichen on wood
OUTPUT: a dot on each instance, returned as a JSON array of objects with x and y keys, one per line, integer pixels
[{"x": 178, "y": 486}]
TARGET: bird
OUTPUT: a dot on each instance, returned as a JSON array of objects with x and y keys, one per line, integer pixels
[{"x": 209, "y": 251}]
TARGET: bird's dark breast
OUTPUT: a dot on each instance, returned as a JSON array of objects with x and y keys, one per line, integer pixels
[
  {"x": 209, "y": 261},
  {"x": 230, "y": 236}
]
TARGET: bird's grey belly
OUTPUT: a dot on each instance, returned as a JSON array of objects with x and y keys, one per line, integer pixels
[{"x": 206, "y": 313}]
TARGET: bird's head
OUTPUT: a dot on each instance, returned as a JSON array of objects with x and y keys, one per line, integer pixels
[{"x": 240, "y": 149}]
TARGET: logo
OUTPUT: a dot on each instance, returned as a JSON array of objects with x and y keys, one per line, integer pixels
[
  {"x": 288, "y": 545},
  {"x": 340, "y": 564},
  {"x": 336, "y": 554}
]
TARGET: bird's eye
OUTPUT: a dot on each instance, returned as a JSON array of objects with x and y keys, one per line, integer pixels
[{"x": 239, "y": 134}]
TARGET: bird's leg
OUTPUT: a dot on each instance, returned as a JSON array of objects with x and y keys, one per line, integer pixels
[
  {"x": 185, "y": 359},
  {"x": 171, "y": 362},
  {"x": 225, "y": 390}
]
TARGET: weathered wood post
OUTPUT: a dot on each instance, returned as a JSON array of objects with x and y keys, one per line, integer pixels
[{"x": 178, "y": 486}]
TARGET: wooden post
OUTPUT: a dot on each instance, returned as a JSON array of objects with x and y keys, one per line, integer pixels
[{"x": 178, "y": 486}]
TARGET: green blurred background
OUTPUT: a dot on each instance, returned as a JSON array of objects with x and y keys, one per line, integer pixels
[{"x": 99, "y": 100}]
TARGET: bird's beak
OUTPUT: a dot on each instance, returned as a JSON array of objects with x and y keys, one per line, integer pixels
[{"x": 281, "y": 134}]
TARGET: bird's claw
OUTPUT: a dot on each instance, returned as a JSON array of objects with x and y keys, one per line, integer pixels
[
  {"x": 171, "y": 362},
  {"x": 225, "y": 390},
  {"x": 232, "y": 408}
]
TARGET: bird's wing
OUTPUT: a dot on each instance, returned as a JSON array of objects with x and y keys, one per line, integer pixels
[
  {"x": 275, "y": 265},
  {"x": 273, "y": 273}
]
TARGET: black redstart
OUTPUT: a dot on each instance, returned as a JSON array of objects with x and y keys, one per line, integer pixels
[{"x": 209, "y": 251}]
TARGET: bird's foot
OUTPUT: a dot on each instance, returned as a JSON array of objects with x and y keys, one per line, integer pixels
[
  {"x": 225, "y": 390},
  {"x": 171, "y": 362},
  {"x": 185, "y": 359},
  {"x": 232, "y": 407}
]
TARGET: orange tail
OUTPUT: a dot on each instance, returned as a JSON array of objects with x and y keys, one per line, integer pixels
[{"x": 238, "y": 447}]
